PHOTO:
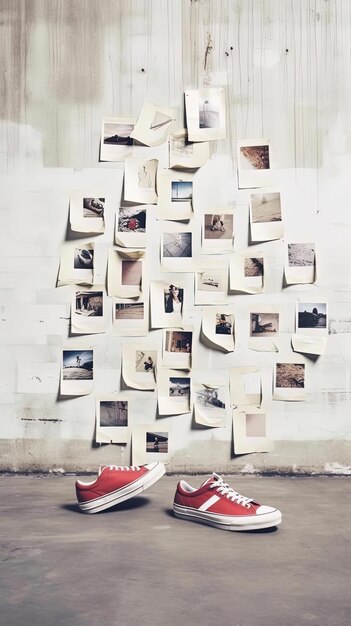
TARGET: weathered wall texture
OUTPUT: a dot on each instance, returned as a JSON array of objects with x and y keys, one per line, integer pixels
[{"x": 65, "y": 64}]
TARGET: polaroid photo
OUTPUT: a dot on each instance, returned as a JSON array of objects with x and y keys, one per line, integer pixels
[
  {"x": 217, "y": 233},
  {"x": 210, "y": 393},
  {"x": 167, "y": 304},
  {"x": 245, "y": 386},
  {"x": 300, "y": 263},
  {"x": 264, "y": 329},
  {"x": 184, "y": 154},
  {"x": 217, "y": 329},
  {"x": 130, "y": 226},
  {"x": 90, "y": 311},
  {"x": 177, "y": 248},
  {"x": 150, "y": 443},
  {"x": 211, "y": 282},
  {"x": 77, "y": 372},
  {"x": 177, "y": 349},
  {"x": 205, "y": 114},
  {"x": 266, "y": 216},
  {"x": 87, "y": 210},
  {"x": 254, "y": 163},
  {"x": 116, "y": 141},
  {"x": 250, "y": 432},
  {"x": 289, "y": 380},
  {"x": 112, "y": 420},
  {"x": 125, "y": 273},
  {"x": 173, "y": 392},
  {"x": 77, "y": 264},
  {"x": 175, "y": 195},
  {"x": 139, "y": 365},
  {"x": 246, "y": 273},
  {"x": 153, "y": 125},
  {"x": 311, "y": 328},
  {"x": 130, "y": 317},
  {"x": 140, "y": 181}
]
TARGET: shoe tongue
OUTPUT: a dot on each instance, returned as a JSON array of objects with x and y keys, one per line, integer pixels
[
  {"x": 101, "y": 469},
  {"x": 211, "y": 479}
]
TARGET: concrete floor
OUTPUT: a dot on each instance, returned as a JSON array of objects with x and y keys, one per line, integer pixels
[{"x": 136, "y": 565}]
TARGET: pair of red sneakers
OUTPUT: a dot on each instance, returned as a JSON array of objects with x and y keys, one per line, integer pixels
[{"x": 213, "y": 503}]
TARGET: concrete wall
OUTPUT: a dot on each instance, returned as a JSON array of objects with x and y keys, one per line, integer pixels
[{"x": 65, "y": 64}]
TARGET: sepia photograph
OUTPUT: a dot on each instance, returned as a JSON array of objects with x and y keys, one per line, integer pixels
[
  {"x": 83, "y": 259},
  {"x": 312, "y": 315},
  {"x": 224, "y": 324},
  {"x": 145, "y": 362},
  {"x": 173, "y": 299},
  {"x": 211, "y": 281},
  {"x": 132, "y": 219},
  {"x": 118, "y": 134},
  {"x": 254, "y": 157},
  {"x": 217, "y": 226},
  {"x": 77, "y": 365},
  {"x": 301, "y": 254},
  {"x": 290, "y": 375},
  {"x": 93, "y": 207},
  {"x": 179, "y": 387},
  {"x": 211, "y": 396},
  {"x": 266, "y": 207},
  {"x": 263, "y": 324},
  {"x": 182, "y": 190},
  {"x": 131, "y": 272},
  {"x": 157, "y": 442},
  {"x": 177, "y": 245},
  {"x": 89, "y": 303},
  {"x": 209, "y": 112},
  {"x": 255, "y": 425},
  {"x": 113, "y": 413},
  {"x": 129, "y": 311},
  {"x": 253, "y": 267},
  {"x": 178, "y": 341}
]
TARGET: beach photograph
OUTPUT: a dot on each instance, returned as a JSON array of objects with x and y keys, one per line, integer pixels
[
  {"x": 254, "y": 157},
  {"x": 301, "y": 254},
  {"x": 182, "y": 191},
  {"x": 77, "y": 365},
  {"x": 266, "y": 207},
  {"x": 253, "y": 266}
]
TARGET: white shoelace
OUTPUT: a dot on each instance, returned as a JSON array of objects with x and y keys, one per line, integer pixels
[
  {"x": 224, "y": 489},
  {"x": 126, "y": 468}
]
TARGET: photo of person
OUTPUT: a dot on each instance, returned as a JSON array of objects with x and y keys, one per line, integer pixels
[
  {"x": 77, "y": 365},
  {"x": 262, "y": 324},
  {"x": 218, "y": 226},
  {"x": 157, "y": 442},
  {"x": 89, "y": 303},
  {"x": 224, "y": 324},
  {"x": 312, "y": 315},
  {"x": 178, "y": 341},
  {"x": 83, "y": 259},
  {"x": 173, "y": 299},
  {"x": 145, "y": 362},
  {"x": 93, "y": 207}
]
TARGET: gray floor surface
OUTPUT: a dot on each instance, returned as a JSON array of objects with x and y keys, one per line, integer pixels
[{"x": 138, "y": 565}]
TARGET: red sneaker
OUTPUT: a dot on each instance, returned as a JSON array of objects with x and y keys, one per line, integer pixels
[
  {"x": 115, "y": 484},
  {"x": 217, "y": 504}
]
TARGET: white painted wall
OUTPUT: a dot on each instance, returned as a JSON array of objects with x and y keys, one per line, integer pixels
[{"x": 68, "y": 63}]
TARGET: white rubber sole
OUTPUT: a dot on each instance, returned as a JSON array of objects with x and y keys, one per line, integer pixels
[
  {"x": 116, "y": 497},
  {"x": 225, "y": 522}
]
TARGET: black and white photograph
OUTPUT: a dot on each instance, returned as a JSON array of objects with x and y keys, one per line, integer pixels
[
  {"x": 224, "y": 324},
  {"x": 132, "y": 219},
  {"x": 254, "y": 157},
  {"x": 181, "y": 191},
  {"x": 118, "y": 134},
  {"x": 253, "y": 266},
  {"x": 301, "y": 254},
  {"x": 218, "y": 226},
  {"x": 210, "y": 402},
  {"x": 129, "y": 311},
  {"x": 290, "y": 375},
  {"x": 177, "y": 245},
  {"x": 313, "y": 316},
  {"x": 157, "y": 442},
  {"x": 145, "y": 362},
  {"x": 205, "y": 114},
  {"x": 265, "y": 207},
  {"x": 211, "y": 397},
  {"x": 77, "y": 365},
  {"x": 179, "y": 388},
  {"x": 113, "y": 413},
  {"x": 209, "y": 111},
  {"x": 264, "y": 324},
  {"x": 173, "y": 299},
  {"x": 210, "y": 281},
  {"x": 83, "y": 259},
  {"x": 89, "y": 303},
  {"x": 93, "y": 207},
  {"x": 87, "y": 209}
]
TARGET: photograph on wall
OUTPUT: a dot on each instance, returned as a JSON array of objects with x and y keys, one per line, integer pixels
[
  {"x": 77, "y": 372},
  {"x": 77, "y": 264},
  {"x": 112, "y": 420},
  {"x": 175, "y": 195},
  {"x": 125, "y": 273},
  {"x": 130, "y": 317},
  {"x": 130, "y": 226},
  {"x": 176, "y": 248},
  {"x": 254, "y": 163},
  {"x": 153, "y": 125},
  {"x": 245, "y": 386},
  {"x": 217, "y": 329},
  {"x": 177, "y": 348},
  {"x": 289, "y": 381},
  {"x": 265, "y": 216},
  {"x": 205, "y": 114},
  {"x": 116, "y": 141},
  {"x": 250, "y": 432},
  {"x": 300, "y": 263},
  {"x": 217, "y": 232},
  {"x": 210, "y": 399},
  {"x": 167, "y": 303},
  {"x": 90, "y": 311},
  {"x": 264, "y": 329},
  {"x": 311, "y": 328},
  {"x": 87, "y": 210},
  {"x": 185, "y": 154},
  {"x": 139, "y": 365},
  {"x": 211, "y": 283},
  {"x": 151, "y": 443},
  {"x": 140, "y": 181},
  {"x": 173, "y": 392},
  {"x": 246, "y": 273}
]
